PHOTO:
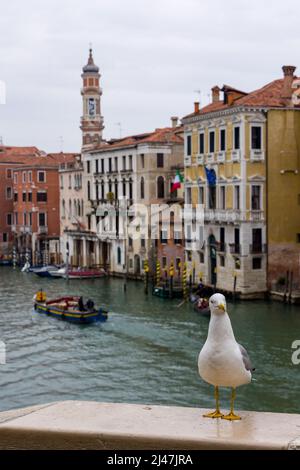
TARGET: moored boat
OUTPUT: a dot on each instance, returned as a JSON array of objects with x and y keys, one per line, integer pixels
[
  {"x": 84, "y": 274},
  {"x": 45, "y": 271},
  {"x": 68, "y": 309}
]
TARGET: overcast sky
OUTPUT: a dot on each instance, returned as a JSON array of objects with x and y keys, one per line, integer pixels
[{"x": 153, "y": 55}]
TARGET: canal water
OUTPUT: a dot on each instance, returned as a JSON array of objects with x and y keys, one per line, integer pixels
[{"x": 145, "y": 353}]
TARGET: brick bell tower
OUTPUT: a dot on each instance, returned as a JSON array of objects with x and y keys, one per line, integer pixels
[{"x": 91, "y": 120}]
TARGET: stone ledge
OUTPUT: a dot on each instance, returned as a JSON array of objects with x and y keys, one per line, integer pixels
[{"x": 110, "y": 426}]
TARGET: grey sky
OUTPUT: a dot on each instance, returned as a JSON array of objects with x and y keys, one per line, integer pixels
[{"x": 152, "y": 54}]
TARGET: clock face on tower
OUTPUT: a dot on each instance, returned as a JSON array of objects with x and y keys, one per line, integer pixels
[{"x": 92, "y": 107}]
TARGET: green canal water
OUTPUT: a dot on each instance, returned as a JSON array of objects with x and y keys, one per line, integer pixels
[{"x": 146, "y": 352}]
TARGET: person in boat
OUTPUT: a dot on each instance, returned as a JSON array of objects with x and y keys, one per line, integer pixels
[
  {"x": 90, "y": 305},
  {"x": 81, "y": 304},
  {"x": 203, "y": 303},
  {"x": 40, "y": 296}
]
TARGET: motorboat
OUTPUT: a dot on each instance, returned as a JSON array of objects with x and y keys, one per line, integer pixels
[{"x": 69, "y": 309}]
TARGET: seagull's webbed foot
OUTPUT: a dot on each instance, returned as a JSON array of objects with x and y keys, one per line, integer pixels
[
  {"x": 231, "y": 417},
  {"x": 214, "y": 415}
]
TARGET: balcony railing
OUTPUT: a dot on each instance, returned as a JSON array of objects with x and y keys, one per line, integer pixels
[
  {"x": 200, "y": 159},
  {"x": 210, "y": 158},
  {"x": 43, "y": 230},
  {"x": 258, "y": 248},
  {"x": 257, "y": 216},
  {"x": 221, "y": 157},
  {"x": 187, "y": 160},
  {"x": 235, "y": 248},
  {"x": 236, "y": 155},
  {"x": 257, "y": 155},
  {"x": 221, "y": 247}
]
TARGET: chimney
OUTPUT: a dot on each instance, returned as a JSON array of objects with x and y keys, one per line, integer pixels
[
  {"x": 196, "y": 107},
  {"x": 174, "y": 120},
  {"x": 288, "y": 71},
  {"x": 215, "y": 94}
]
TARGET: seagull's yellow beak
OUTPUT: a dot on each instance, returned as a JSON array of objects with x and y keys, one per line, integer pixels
[{"x": 221, "y": 307}]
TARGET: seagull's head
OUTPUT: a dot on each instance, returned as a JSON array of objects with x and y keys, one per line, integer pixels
[{"x": 217, "y": 304}]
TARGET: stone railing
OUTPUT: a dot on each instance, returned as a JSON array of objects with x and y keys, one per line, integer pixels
[{"x": 90, "y": 425}]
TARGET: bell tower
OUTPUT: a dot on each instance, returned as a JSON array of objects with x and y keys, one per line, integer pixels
[{"x": 91, "y": 120}]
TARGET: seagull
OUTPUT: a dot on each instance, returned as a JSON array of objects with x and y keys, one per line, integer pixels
[{"x": 222, "y": 361}]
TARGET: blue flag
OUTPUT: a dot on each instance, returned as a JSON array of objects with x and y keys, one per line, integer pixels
[{"x": 211, "y": 176}]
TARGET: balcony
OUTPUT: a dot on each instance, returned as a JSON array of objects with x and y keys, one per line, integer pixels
[
  {"x": 221, "y": 157},
  {"x": 210, "y": 158},
  {"x": 187, "y": 160},
  {"x": 257, "y": 216},
  {"x": 200, "y": 159},
  {"x": 43, "y": 230},
  {"x": 258, "y": 249},
  {"x": 236, "y": 155},
  {"x": 257, "y": 155},
  {"x": 235, "y": 248}
]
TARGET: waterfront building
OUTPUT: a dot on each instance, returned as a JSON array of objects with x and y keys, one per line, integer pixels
[
  {"x": 117, "y": 174},
  {"x": 242, "y": 166},
  {"x": 124, "y": 179},
  {"x": 35, "y": 213},
  {"x": 10, "y": 157}
]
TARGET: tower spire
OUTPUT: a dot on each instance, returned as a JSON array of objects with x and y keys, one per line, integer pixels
[{"x": 91, "y": 120}]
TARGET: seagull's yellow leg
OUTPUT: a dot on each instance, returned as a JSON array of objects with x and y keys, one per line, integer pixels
[
  {"x": 231, "y": 416},
  {"x": 217, "y": 413}
]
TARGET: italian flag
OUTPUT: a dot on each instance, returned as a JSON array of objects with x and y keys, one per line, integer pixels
[{"x": 177, "y": 182}]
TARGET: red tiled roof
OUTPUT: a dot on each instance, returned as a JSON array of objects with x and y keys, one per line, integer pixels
[
  {"x": 164, "y": 135},
  {"x": 269, "y": 96},
  {"x": 33, "y": 157}
]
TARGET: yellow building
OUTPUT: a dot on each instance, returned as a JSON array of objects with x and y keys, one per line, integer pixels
[{"x": 238, "y": 150}]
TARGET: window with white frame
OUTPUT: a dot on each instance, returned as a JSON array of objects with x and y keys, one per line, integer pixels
[
  {"x": 8, "y": 192},
  {"x": 222, "y": 197},
  {"x": 188, "y": 197},
  {"x": 222, "y": 140},
  {"x": 201, "y": 195},
  {"x": 236, "y": 196},
  {"x": 236, "y": 138},
  {"x": 212, "y": 141},
  {"x": 188, "y": 144},
  {"x": 15, "y": 178},
  {"x": 256, "y": 137},
  {"x": 256, "y": 197},
  {"x": 30, "y": 176},
  {"x": 24, "y": 177},
  {"x": 41, "y": 176},
  {"x": 201, "y": 143}
]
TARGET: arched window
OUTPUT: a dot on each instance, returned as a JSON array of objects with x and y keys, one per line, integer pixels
[
  {"x": 82, "y": 207},
  {"x": 142, "y": 188},
  {"x": 102, "y": 190},
  {"x": 78, "y": 208},
  {"x": 70, "y": 209},
  {"x": 63, "y": 208},
  {"x": 124, "y": 187},
  {"x": 109, "y": 186},
  {"x": 160, "y": 187},
  {"x": 119, "y": 253},
  {"x": 89, "y": 191},
  {"x": 116, "y": 190}
]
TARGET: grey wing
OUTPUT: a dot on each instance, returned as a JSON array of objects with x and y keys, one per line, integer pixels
[{"x": 246, "y": 359}]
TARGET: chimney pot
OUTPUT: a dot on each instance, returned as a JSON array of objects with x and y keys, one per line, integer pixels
[
  {"x": 288, "y": 72},
  {"x": 174, "y": 120},
  {"x": 215, "y": 94},
  {"x": 196, "y": 107}
]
